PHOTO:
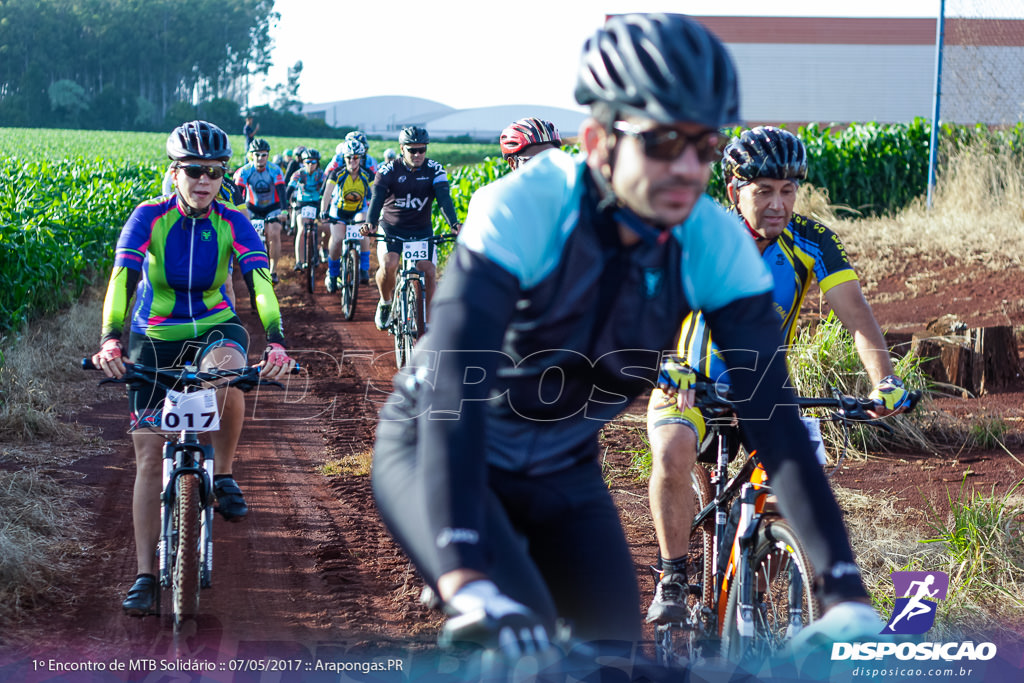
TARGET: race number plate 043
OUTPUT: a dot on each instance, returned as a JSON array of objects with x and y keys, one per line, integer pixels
[
  {"x": 309, "y": 212},
  {"x": 416, "y": 251},
  {"x": 193, "y": 412}
]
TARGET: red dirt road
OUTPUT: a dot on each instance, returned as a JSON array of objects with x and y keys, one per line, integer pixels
[{"x": 312, "y": 575}]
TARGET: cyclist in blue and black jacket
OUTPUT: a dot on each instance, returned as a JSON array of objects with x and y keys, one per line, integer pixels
[{"x": 568, "y": 286}]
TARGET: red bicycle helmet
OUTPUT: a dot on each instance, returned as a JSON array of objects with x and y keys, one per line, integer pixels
[{"x": 525, "y": 132}]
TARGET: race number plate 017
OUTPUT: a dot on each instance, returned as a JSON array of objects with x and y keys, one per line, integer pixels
[
  {"x": 352, "y": 232},
  {"x": 309, "y": 212},
  {"x": 193, "y": 412},
  {"x": 416, "y": 251}
]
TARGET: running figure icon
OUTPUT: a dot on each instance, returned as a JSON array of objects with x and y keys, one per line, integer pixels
[{"x": 918, "y": 594}]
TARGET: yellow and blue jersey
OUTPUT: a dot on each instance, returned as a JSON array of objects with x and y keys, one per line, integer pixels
[{"x": 805, "y": 249}]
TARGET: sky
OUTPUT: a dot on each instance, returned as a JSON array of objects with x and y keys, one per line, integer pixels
[{"x": 479, "y": 53}]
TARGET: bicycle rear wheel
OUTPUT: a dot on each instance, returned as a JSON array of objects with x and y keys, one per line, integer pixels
[
  {"x": 311, "y": 257},
  {"x": 784, "y": 601},
  {"x": 185, "y": 580},
  {"x": 349, "y": 283}
]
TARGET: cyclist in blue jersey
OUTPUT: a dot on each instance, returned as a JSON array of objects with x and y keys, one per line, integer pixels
[
  {"x": 172, "y": 257},
  {"x": 568, "y": 286},
  {"x": 763, "y": 168},
  {"x": 304, "y": 190},
  {"x": 264, "y": 188},
  {"x": 402, "y": 200}
]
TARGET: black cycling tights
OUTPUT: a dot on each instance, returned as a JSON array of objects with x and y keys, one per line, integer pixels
[{"x": 554, "y": 542}]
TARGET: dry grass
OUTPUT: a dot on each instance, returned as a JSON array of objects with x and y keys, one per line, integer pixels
[
  {"x": 886, "y": 540},
  {"x": 978, "y": 207},
  {"x": 39, "y": 536},
  {"x": 40, "y": 386},
  {"x": 355, "y": 465},
  {"x": 40, "y": 380}
]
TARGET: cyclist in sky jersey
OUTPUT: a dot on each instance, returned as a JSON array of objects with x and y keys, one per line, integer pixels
[
  {"x": 172, "y": 256},
  {"x": 264, "y": 188},
  {"x": 403, "y": 195},
  {"x": 763, "y": 168},
  {"x": 568, "y": 286}
]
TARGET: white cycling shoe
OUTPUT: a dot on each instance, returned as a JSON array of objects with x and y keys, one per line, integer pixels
[{"x": 846, "y": 622}]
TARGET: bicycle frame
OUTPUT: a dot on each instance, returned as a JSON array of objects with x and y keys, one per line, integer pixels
[
  {"x": 184, "y": 457},
  {"x": 409, "y": 306},
  {"x": 742, "y": 518}
]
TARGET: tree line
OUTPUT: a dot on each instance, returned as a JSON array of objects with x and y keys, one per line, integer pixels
[{"x": 136, "y": 64}]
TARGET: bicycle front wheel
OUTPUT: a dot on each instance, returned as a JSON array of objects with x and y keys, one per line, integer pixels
[
  {"x": 185, "y": 579},
  {"x": 783, "y": 595},
  {"x": 415, "y": 323},
  {"x": 311, "y": 257},
  {"x": 349, "y": 283}
]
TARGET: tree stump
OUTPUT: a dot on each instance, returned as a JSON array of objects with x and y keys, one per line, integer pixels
[{"x": 976, "y": 360}]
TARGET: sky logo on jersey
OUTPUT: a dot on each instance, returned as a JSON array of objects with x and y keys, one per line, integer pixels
[
  {"x": 917, "y": 596},
  {"x": 410, "y": 202}
]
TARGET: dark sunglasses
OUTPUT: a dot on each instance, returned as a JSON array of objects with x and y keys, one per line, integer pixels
[
  {"x": 196, "y": 171},
  {"x": 311, "y": 161},
  {"x": 416, "y": 150},
  {"x": 668, "y": 145}
]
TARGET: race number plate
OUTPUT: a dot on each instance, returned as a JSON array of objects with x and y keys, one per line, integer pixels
[
  {"x": 258, "y": 224},
  {"x": 193, "y": 412},
  {"x": 416, "y": 251},
  {"x": 309, "y": 212},
  {"x": 813, "y": 426},
  {"x": 352, "y": 232}
]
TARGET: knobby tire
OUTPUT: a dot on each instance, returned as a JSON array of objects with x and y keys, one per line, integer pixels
[
  {"x": 415, "y": 311},
  {"x": 349, "y": 283},
  {"x": 311, "y": 257},
  {"x": 185, "y": 581}
]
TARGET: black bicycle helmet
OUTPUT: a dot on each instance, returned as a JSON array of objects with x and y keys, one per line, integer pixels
[
  {"x": 764, "y": 152},
  {"x": 666, "y": 67},
  {"x": 198, "y": 140},
  {"x": 311, "y": 155},
  {"x": 258, "y": 145},
  {"x": 413, "y": 135}
]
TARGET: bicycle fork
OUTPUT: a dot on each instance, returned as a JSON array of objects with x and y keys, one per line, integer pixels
[
  {"x": 179, "y": 460},
  {"x": 746, "y": 533}
]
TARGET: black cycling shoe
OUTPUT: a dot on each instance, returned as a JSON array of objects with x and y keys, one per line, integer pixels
[
  {"x": 230, "y": 502},
  {"x": 141, "y": 600}
]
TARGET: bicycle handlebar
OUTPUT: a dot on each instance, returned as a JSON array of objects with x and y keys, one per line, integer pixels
[
  {"x": 443, "y": 237},
  {"x": 138, "y": 375},
  {"x": 848, "y": 408}
]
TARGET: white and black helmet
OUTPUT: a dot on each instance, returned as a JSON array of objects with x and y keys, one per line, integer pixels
[
  {"x": 667, "y": 67},
  {"x": 198, "y": 140}
]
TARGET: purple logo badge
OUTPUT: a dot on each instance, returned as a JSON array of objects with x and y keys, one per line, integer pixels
[{"x": 917, "y": 596}]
